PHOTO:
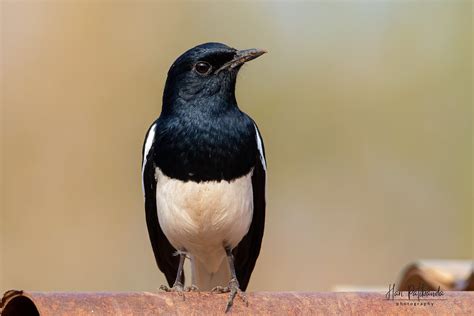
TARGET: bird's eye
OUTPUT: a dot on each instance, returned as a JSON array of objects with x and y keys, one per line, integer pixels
[{"x": 203, "y": 67}]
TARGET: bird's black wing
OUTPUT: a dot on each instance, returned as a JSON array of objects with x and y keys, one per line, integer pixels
[
  {"x": 247, "y": 251},
  {"x": 163, "y": 250}
]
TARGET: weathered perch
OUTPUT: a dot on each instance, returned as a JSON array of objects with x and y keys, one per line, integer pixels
[{"x": 260, "y": 303}]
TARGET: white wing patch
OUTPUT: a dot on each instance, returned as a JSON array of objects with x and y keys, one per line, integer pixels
[
  {"x": 260, "y": 148},
  {"x": 146, "y": 150}
]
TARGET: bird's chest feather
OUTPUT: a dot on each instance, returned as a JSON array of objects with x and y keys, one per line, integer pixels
[
  {"x": 204, "y": 149},
  {"x": 202, "y": 217}
]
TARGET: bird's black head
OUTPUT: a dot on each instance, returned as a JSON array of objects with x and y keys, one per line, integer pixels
[{"x": 203, "y": 78}]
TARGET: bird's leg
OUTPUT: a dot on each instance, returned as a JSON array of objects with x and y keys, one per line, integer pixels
[
  {"x": 178, "y": 286},
  {"x": 233, "y": 287},
  {"x": 192, "y": 287}
]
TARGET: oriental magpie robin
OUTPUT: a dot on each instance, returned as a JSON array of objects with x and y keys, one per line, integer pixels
[{"x": 204, "y": 174}]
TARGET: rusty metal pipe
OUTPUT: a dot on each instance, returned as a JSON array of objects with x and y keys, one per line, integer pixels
[{"x": 260, "y": 303}]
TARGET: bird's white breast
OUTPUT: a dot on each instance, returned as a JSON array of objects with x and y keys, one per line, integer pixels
[{"x": 203, "y": 218}]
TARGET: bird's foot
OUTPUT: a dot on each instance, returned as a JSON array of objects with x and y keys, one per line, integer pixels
[
  {"x": 191, "y": 288},
  {"x": 234, "y": 289},
  {"x": 178, "y": 287}
]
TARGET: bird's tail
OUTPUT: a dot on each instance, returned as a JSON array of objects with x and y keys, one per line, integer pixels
[{"x": 206, "y": 280}]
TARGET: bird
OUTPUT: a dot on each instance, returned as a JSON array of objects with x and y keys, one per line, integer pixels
[{"x": 204, "y": 175}]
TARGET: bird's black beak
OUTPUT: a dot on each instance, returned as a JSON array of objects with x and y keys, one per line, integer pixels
[{"x": 241, "y": 57}]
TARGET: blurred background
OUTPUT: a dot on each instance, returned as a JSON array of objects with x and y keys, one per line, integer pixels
[{"x": 365, "y": 108}]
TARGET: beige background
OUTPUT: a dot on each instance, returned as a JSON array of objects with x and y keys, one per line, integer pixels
[{"x": 365, "y": 108}]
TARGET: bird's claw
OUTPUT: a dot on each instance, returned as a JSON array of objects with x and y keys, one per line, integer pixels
[
  {"x": 178, "y": 287},
  {"x": 220, "y": 289},
  {"x": 233, "y": 288},
  {"x": 191, "y": 288}
]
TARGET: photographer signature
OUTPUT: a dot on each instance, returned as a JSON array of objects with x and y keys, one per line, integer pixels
[{"x": 414, "y": 292}]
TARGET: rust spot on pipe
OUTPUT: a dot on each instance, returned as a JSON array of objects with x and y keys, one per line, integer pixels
[{"x": 260, "y": 303}]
